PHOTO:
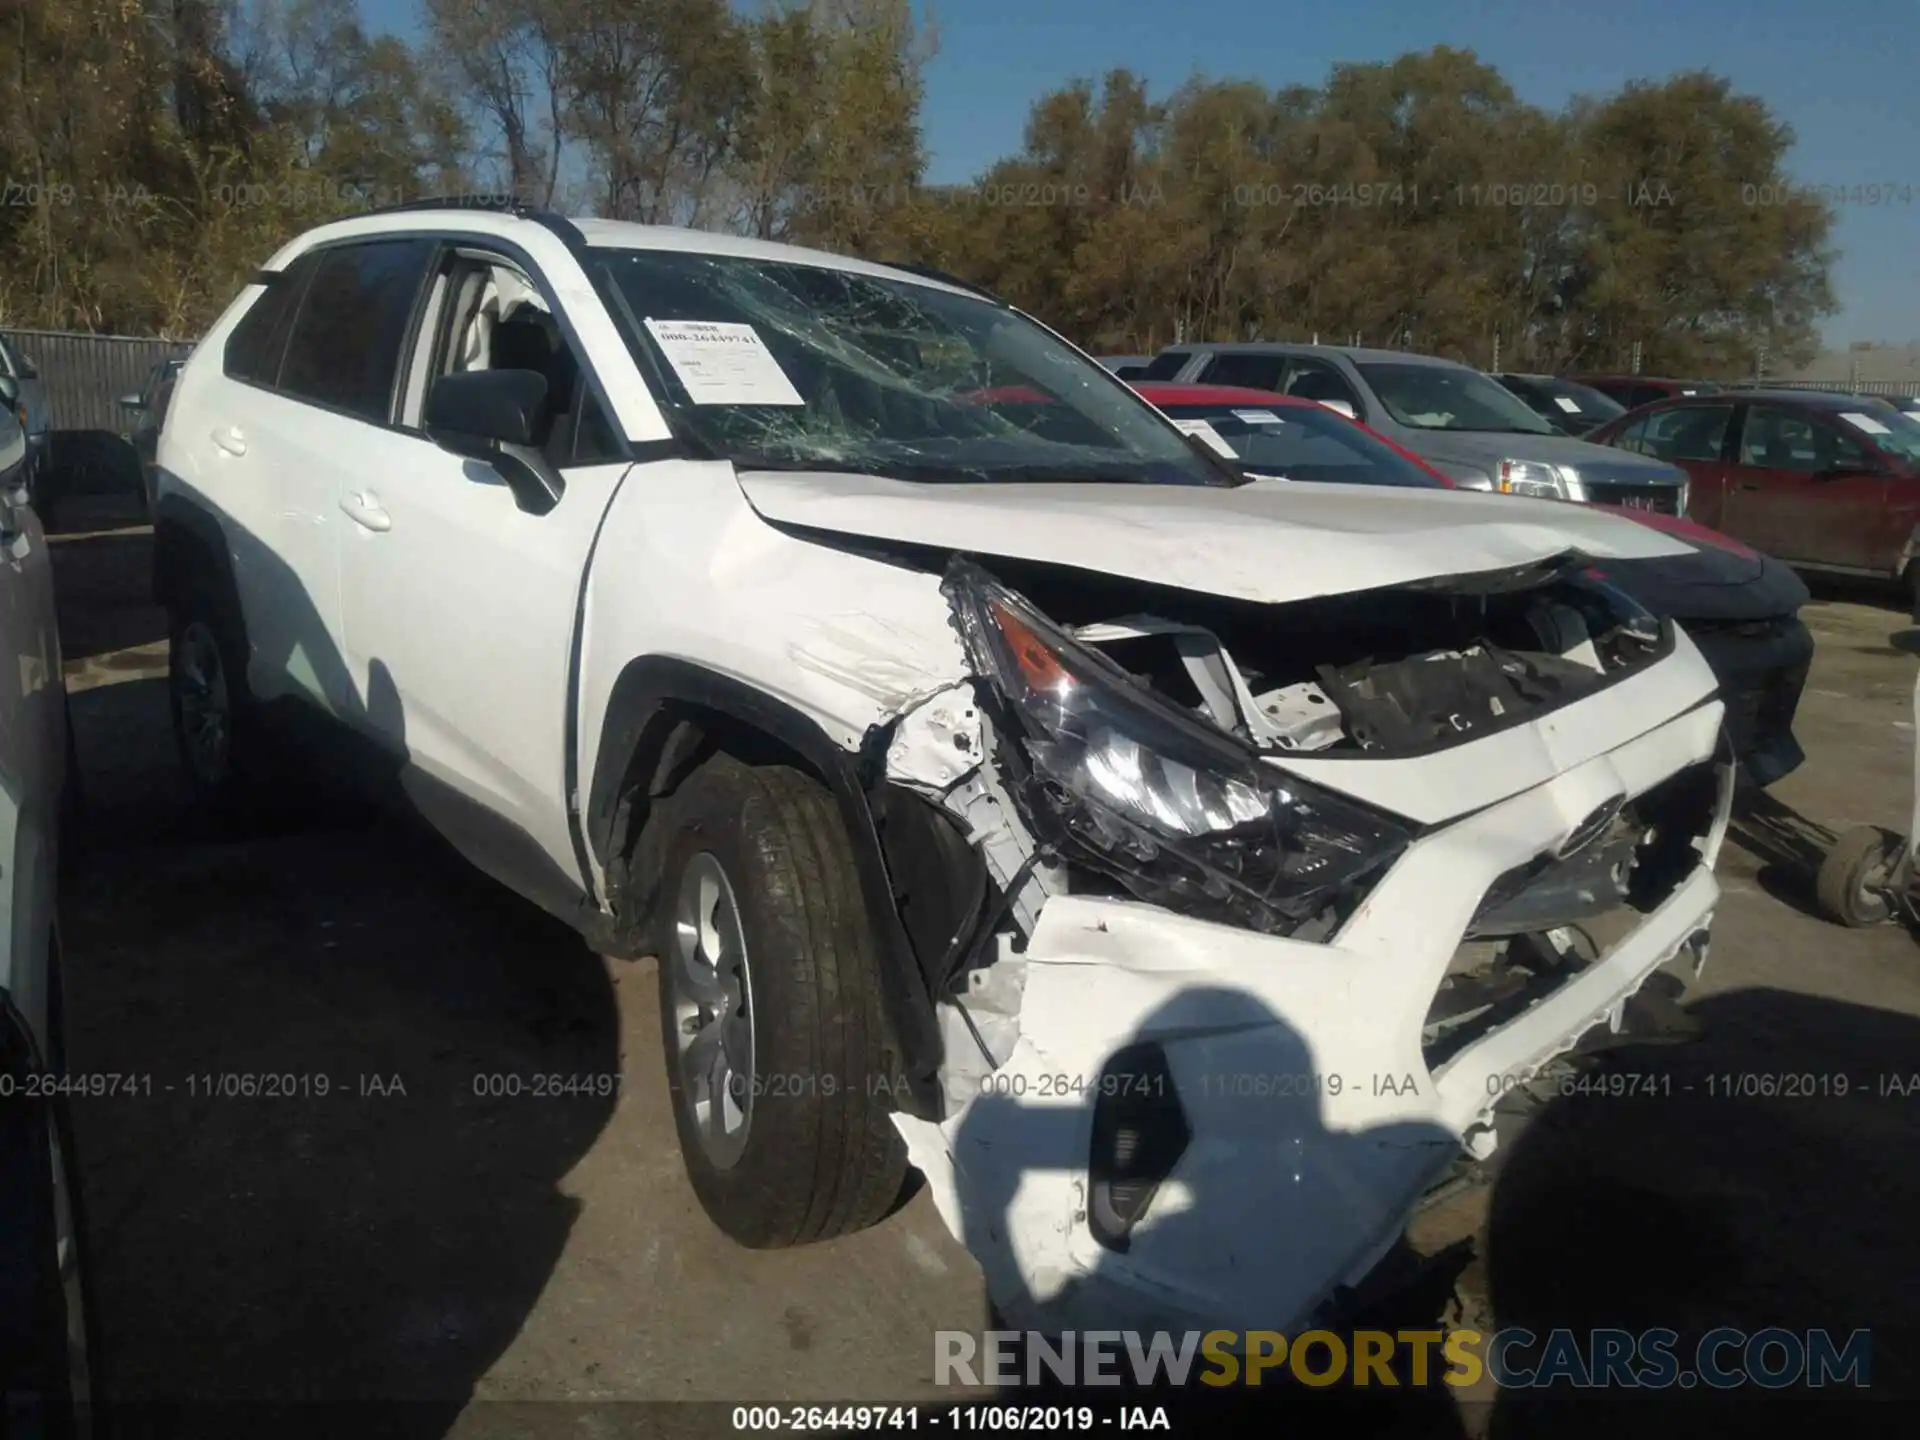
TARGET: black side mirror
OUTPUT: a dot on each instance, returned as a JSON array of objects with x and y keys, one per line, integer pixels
[{"x": 492, "y": 416}]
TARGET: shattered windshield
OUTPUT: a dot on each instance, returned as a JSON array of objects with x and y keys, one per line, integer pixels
[{"x": 780, "y": 366}]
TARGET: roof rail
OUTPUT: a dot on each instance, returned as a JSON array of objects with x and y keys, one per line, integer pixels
[
  {"x": 927, "y": 272},
  {"x": 491, "y": 203},
  {"x": 508, "y": 204}
]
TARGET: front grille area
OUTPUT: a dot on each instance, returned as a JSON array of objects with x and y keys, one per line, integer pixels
[
  {"x": 1545, "y": 921},
  {"x": 1660, "y": 499}
]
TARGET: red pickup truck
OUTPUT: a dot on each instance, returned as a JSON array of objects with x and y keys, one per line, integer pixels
[{"x": 1821, "y": 481}]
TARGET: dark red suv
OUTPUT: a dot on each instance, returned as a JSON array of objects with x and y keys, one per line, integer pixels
[
  {"x": 1821, "y": 481},
  {"x": 1634, "y": 391}
]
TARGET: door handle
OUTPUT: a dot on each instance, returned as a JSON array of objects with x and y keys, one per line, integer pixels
[
  {"x": 1749, "y": 487},
  {"x": 229, "y": 439},
  {"x": 364, "y": 509}
]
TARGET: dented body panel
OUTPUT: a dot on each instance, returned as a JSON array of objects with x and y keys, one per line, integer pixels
[{"x": 1317, "y": 1122}]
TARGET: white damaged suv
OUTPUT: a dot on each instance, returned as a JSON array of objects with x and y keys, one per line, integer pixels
[{"x": 1176, "y": 869}]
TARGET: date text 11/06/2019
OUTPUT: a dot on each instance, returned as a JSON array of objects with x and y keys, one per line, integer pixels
[{"x": 986, "y": 1418}]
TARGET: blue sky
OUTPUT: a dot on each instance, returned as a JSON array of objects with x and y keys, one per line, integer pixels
[{"x": 1842, "y": 76}]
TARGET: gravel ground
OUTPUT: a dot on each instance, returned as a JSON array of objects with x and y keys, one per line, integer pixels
[{"x": 408, "y": 1236}]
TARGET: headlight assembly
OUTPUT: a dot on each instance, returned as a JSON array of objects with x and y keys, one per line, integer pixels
[
  {"x": 1129, "y": 783},
  {"x": 1536, "y": 477}
]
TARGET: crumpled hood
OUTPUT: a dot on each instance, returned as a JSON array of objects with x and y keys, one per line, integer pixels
[{"x": 1270, "y": 542}]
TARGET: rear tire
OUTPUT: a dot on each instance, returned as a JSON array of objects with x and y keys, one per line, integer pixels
[
  {"x": 1850, "y": 888},
  {"x": 216, "y": 723},
  {"x": 770, "y": 1009}
]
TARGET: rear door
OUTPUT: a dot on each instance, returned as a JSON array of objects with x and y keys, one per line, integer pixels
[
  {"x": 1803, "y": 491},
  {"x": 308, "y": 422}
]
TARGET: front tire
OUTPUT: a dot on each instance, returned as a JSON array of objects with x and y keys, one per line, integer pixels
[{"x": 770, "y": 1009}]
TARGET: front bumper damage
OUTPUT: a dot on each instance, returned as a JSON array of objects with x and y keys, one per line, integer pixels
[{"x": 1292, "y": 1089}]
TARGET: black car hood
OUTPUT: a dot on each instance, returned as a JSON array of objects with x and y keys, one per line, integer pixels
[{"x": 1711, "y": 584}]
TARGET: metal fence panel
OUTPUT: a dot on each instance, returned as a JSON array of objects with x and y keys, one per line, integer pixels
[
  {"x": 85, "y": 375},
  {"x": 1899, "y": 388}
]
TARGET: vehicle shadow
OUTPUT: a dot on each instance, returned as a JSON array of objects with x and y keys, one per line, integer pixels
[
  {"x": 1254, "y": 1219},
  {"x": 1787, "y": 844},
  {"x": 343, "y": 1080},
  {"x": 101, "y": 614},
  {"x": 327, "y": 1175},
  {"x": 94, "y": 483},
  {"x": 1763, "y": 1175}
]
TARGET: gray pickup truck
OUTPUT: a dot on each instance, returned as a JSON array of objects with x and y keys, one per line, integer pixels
[{"x": 1465, "y": 424}]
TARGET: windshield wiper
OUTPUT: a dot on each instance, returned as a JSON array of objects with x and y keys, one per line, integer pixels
[{"x": 880, "y": 470}]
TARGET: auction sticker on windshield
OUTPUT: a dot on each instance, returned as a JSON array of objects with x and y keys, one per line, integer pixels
[
  {"x": 1209, "y": 435},
  {"x": 1571, "y": 407},
  {"x": 1866, "y": 423},
  {"x": 722, "y": 363},
  {"x": 1258, "y": 417}
]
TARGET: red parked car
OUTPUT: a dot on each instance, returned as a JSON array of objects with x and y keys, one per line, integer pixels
[
  {"x": 1821, "y": 481},
  {"x": 1738, "y": 606}
]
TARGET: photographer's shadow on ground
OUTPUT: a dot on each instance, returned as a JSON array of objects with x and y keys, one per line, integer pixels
[
  {"x": 1762, "y": 1175},
  {"x": 1262, "y": 1173},
  {"x": 1765, "y": 1175}
]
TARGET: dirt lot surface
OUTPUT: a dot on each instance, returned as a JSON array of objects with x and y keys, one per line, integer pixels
[{"x": 408, "y": 1236}]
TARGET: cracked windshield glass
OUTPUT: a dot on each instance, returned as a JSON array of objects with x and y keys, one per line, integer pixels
[{"x": 794, "y": 367}]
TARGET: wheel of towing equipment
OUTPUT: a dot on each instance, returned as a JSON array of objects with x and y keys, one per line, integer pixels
[
  {"x": 770, "y": 1008},
  {"x": 1851, "y": 886}
]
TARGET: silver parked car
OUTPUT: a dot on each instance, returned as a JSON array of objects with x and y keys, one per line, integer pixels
[
  {"x": 46, "y": 1382},
  {"x": 1466, "y": 425}
]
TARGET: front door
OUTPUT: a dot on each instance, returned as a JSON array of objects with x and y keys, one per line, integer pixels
[
  {"x": 1803, "y": 491},
  {"x": 459, "y": 606}
]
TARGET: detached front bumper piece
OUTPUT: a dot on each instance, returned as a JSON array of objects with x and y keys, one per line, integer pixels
[{"x": 1200, "y": 1126}]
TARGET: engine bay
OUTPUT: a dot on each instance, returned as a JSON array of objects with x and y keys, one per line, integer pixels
[{"x": 1390, "y": 672}]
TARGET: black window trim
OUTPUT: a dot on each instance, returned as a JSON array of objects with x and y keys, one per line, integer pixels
[
  {"x": 413, "y": 321},
  {"x": 447, "y": 252},
  {"x": 443, "y": 238},
  {"x": 282, "y": 325}
]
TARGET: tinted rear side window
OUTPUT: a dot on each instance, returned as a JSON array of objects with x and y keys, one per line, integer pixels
[
  {"x": 254, "y": 348},
  {"x": 345, "y": 347},
  {"x": 1165, "y": 367}
]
